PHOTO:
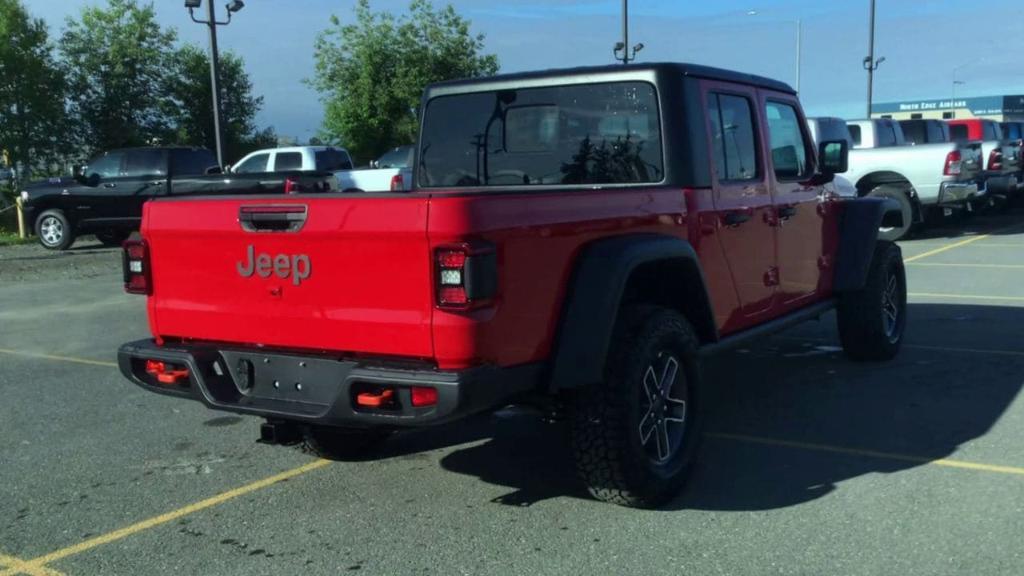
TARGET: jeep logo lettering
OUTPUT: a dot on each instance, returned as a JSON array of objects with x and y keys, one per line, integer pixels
[{"x": 297, "y": 266}]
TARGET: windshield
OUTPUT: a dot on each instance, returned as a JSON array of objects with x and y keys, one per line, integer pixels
[
  {"x": 607, "y": 133},
  {"x": 400, "y": 157}
]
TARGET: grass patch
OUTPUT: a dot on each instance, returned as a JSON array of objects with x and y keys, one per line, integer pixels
[
  {"x": 9, "y": 230},
  {"x": 11, "y": 239}
]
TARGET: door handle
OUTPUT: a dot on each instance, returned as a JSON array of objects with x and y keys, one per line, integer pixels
[
  {"x": 736, "y": 217},
  {"x": 157, "y": 182},
  {"x": 786, "y": 212},
  {"x": 110, "y": 185}
]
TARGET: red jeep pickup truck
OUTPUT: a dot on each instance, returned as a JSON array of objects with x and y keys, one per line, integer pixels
[{"x": 579, "y": 235}]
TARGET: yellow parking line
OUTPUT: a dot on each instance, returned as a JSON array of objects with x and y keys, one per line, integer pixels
[
  {"x": 109, "y": 537},
  {"x": 965, "y": 265},
  {"x": 17, "y": 566},
  {"x": 964, "y": 296},
  {"x": 949, "y": 463},
  {"x": 58, "y": 358},
  {"x": 965, "y": 242}
]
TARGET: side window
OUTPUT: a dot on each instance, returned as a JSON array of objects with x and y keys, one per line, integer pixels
[
  {"x": 138, "y": 163},
  {"x": 257, "y": 163},
  {"x": 732, "y": 137},
  {"x": 106, "y": 166},
  {"x": 854, "y": 133},
  {"x": 789, "y": 149},
  {"x": 886, "y": 135},
  {"x": 288, "y": 161}
]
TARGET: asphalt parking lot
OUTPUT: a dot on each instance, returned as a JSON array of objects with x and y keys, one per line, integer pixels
[{"x": 812, "y": 464}]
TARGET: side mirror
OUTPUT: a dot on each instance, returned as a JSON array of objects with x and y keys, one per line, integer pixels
[{"x": 833, "y": 157}]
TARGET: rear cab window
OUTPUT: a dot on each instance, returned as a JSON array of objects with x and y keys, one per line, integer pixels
[
  {"x": 285, "y": 161},
  {"x": 958, "y": 133},
  {"x": 990, "y": 131},
  {"x": 579, "y": 134},
  {"x": 332, "y": 160}
]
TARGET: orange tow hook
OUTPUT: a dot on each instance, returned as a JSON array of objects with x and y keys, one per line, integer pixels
[
  {"x": 164, "y": 373},
  {"x": 375, "y": 399}
]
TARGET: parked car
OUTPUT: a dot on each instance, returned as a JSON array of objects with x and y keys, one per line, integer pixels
[
  {"x": 106, "y": 196},
  {"x": 1013, "y": 132},
  {"x": 826, "y": 129},
  {"x": 1002, "y": 160},
  {"x": 591, "y": 233},
  {"x": 926, "y": 179},
  {"x": 294, "y": 158}
]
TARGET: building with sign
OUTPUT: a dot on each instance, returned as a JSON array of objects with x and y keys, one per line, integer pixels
[{"x": 999, "y": 108}]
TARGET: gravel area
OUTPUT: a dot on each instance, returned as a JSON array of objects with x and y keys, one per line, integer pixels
[{"x": 31, "y": 262}]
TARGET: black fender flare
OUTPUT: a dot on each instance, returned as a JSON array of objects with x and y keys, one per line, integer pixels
[
  {"x": 858, "y": 234},
  {"x": 594, "y": 298}
]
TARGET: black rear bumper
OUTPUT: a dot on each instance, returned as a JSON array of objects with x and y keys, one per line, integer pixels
[{"x": 319, "y": 389}]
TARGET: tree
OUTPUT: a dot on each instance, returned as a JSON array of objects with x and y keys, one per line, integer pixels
[
  {"x": 117, "y": 59},
  {"x": 191, "y": 107},
  {"x": 371, "y": 73},
  {"x": 31, "y": 91}
]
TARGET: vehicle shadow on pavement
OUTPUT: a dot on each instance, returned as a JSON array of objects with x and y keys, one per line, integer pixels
[
  {"x": 995, "y": 221},
  {"x": 799, "y": 387}
]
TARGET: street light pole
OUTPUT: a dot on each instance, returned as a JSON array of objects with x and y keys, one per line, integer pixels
[
  {"x": 215, "y": 81},
  {"x": 870, "y": 64},
  {"x": 799, "y": 33},
  {"x": 623, "y": 46},
  {"x": 212, "y": 22}
]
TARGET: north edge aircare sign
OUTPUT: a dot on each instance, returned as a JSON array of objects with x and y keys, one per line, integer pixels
[{"x": 984, "y": 105}]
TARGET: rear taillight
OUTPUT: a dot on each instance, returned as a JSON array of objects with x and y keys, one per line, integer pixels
[
  {"x": 137, "y": 274},
  {"x": 467, "y": 276},
  {"x": 995, "y": 159},
  {"x": 397, "y": 183},
  {"x": 953, "y": 164},
  {"x": 291, "y": 186}
]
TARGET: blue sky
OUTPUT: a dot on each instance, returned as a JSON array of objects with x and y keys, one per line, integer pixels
[{"x": 922, "y": 41}]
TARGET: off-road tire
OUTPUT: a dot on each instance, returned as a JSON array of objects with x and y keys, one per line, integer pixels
[
  {"x": 54, "y": 230},
  {"x": 606, "y": 419},
  {"x": 866, "y": 328},
  {"x": 341, "y": 444},
  {"x": 906, "y": 208},
  {"x": 115, "y": 239}
]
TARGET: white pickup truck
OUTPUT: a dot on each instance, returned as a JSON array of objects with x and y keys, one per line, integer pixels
[
  {"x": 925, "y": 179},
  {"x": 389, "y": 177},
  {"x": 391, "y": 172}
]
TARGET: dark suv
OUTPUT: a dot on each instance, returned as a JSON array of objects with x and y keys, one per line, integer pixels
[{"x": 105, "y": 196}]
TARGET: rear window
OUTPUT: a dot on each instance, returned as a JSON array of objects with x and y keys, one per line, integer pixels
[
  {"x": 854, "y": 133},
  {"x": 332, "y": 160},
  {"x": 935, "y": 133},
  {"x": 914, "y": 132},
  {"x": 192, "y": 162},
  {"x": 605, "y": 133},
  {"x": 288, "y": 161},
  {"x": 958, "y": 133},
  {"x": 990, "y": 131}
]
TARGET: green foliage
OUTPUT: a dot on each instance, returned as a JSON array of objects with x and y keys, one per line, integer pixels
[
  {"x": 371, "y": 73},
  {"x": 32, "y": 118},
  {"x": 191, "y": 109},
  {"x": 117, "y": 57}
]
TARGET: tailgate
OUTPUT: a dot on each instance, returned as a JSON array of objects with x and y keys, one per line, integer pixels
[
  {"x": 972, "y": 161},
  {"x": 344, "y": 273}
]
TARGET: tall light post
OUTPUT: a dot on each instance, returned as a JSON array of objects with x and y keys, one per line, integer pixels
[
  {"x": 212, "y": 22},
  {"x": 870, "y": 63},
  {"x": 799, "y": 51},
  {"x": 626, "y": 57}
]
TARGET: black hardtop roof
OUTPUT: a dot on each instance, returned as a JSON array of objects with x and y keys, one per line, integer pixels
[{"x": 693, "y": 70}]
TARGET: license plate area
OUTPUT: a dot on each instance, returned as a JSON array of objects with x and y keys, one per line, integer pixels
[{"x": 285, "y": 378}]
